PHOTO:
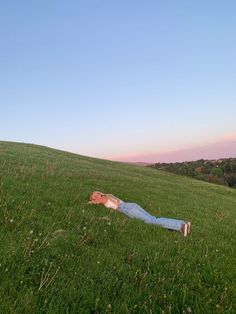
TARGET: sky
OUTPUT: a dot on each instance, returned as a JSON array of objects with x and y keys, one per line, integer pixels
[{"x": 123, "y": 80}]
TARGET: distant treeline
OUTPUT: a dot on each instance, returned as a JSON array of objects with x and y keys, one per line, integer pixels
[{"x": 221, "y": 171}]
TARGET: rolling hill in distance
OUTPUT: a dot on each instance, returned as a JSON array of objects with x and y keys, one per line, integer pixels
[
  {"x": 62, "y": 255},
  {"x": 219, "y": 171}
]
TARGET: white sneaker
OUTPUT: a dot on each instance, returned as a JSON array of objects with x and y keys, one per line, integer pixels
[
  {"x": 189, "y": 226},
  {"x": 184, "y": 229}
]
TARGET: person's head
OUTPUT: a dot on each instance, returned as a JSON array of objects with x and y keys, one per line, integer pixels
[{"x": 98, "y": 197}]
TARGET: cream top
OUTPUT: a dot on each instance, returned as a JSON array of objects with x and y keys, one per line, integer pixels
[{"x": 112, "y": 202}]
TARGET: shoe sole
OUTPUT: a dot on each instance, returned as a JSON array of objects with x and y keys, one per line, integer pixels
[
  {"x": 185, "y": 231},
  {"x": 189, "y": 227}
]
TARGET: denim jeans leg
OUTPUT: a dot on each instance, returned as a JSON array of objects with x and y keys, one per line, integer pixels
[
  {"x": 133, "y": 210},
  {"x": 168, "y": 223}
]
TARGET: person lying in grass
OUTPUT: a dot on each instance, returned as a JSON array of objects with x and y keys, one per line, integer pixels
[{"x": 133, "y": 210}]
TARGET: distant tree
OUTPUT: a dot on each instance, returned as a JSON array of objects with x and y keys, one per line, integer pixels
[
  {"x": 218, "y": 172},
  {"x": 230, "y": 178},
  {"x": 222, "y": 171},
  {"x": 215, "y": 179},
  {"x": 200, "y": 169},
  {"x": 227, "y": 167},
  {"x": 201, "y": 176}
]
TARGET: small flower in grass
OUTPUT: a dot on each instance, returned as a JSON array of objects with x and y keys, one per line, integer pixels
[
  {"x": 11, "y": 220},
  {"x": 98, "y": 262},
  {"x": 31, "y": 231},
  {"x": 109, "y": 223},
  {"x": 85, "y": 228},
  {"x": 6, "y": 269},
  {"x": 217, "y": 250},
  {"x": 36, "y": 240}
]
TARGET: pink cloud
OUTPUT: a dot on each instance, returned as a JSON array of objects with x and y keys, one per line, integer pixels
[
  {"x": 228, "y": 137},
  {"x": 224, "y": 148}
]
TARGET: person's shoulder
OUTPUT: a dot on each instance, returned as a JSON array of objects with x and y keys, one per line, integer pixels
[{"x": 111, "y": 196}]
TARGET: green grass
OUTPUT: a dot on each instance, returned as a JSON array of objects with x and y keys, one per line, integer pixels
[{"x": 60, "y": 255}]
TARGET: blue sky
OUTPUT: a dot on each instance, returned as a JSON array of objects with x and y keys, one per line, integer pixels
[{"x": 117, "y": 78}]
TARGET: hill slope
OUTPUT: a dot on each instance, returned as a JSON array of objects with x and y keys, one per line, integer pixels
[{"x": 61, "y": 255}]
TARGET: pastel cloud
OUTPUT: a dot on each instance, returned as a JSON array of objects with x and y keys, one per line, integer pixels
[
  {"x": 228, "y": 137},
  {"x": 225, "y": 147}
]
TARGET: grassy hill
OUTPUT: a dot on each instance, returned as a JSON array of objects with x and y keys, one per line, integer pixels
[{"x": 61, "y": 255}]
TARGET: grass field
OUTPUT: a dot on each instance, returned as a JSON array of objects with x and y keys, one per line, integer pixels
[{"x": 60, "y": 255}]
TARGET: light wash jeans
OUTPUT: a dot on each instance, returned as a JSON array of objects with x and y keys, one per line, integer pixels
[{"x": 133, "y": 210}]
